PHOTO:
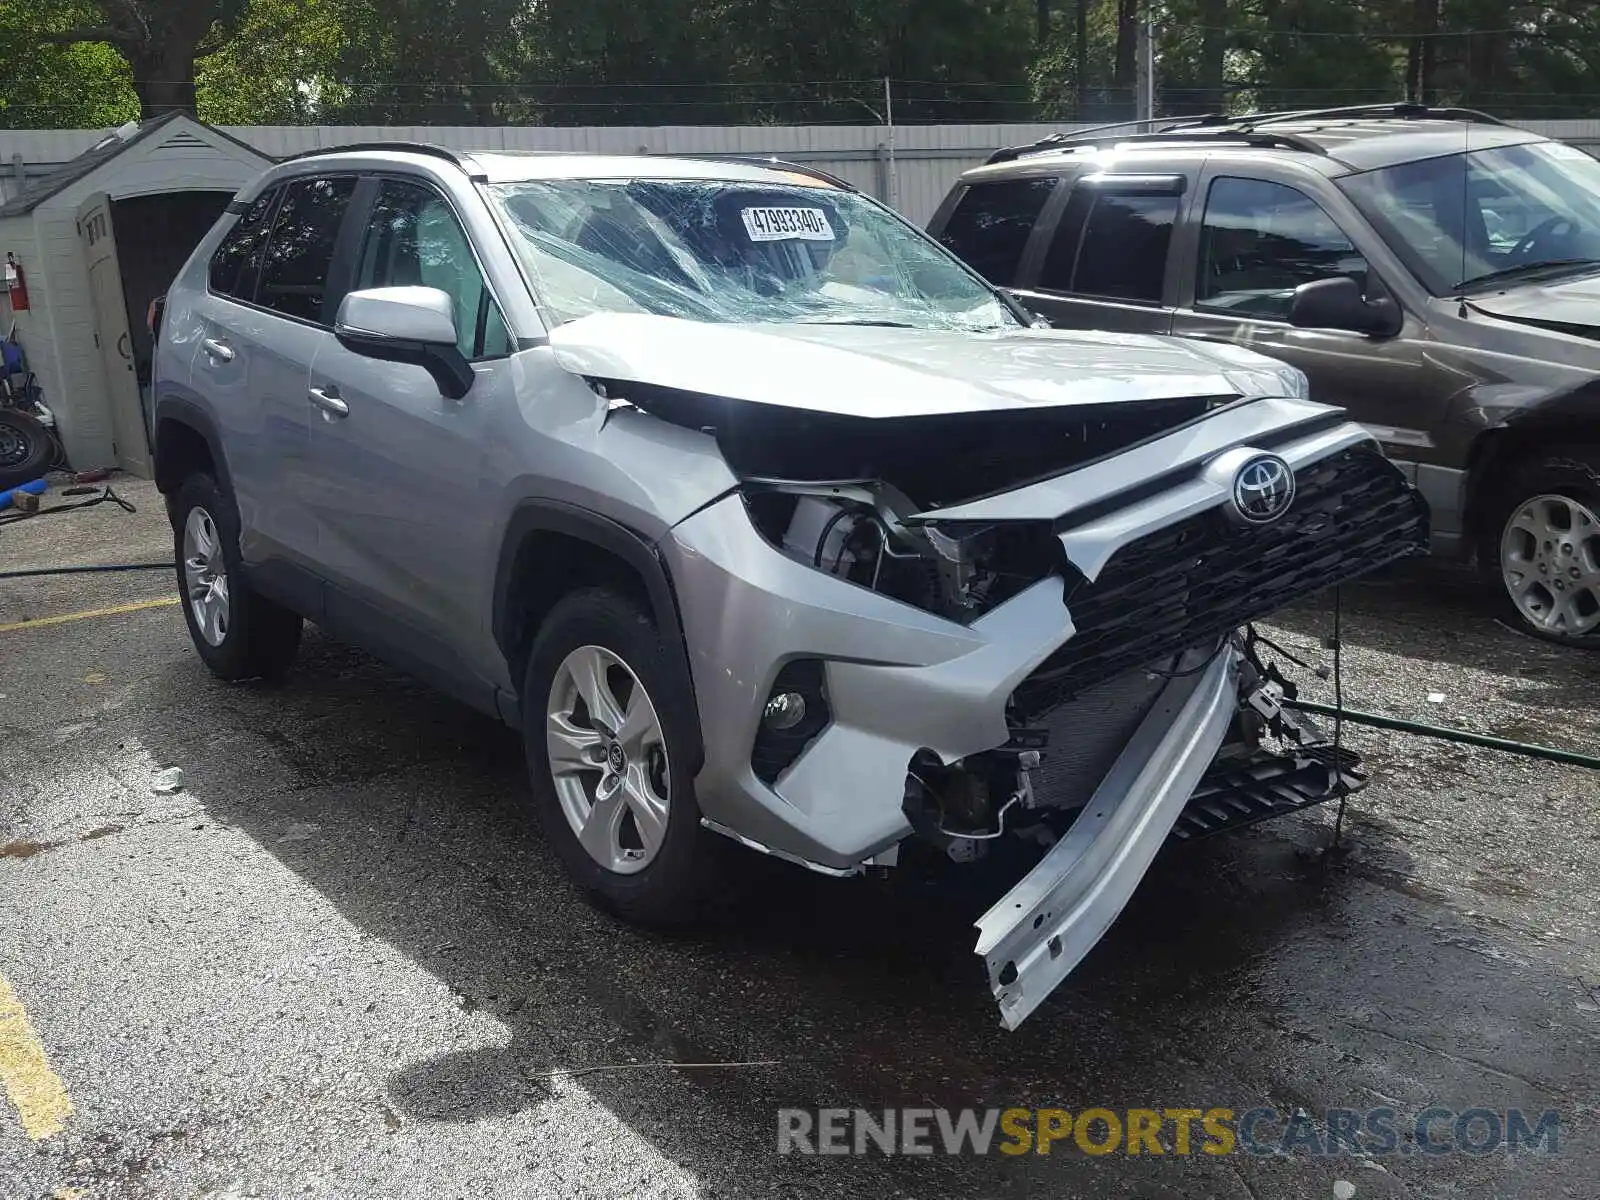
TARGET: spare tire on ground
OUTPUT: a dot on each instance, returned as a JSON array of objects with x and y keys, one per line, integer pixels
[{"x": 26, "y": 448}]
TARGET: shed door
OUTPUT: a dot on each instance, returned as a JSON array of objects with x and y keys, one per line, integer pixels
[{"x": 112, "y": 340}]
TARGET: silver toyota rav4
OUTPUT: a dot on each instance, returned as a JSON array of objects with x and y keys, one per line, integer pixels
[{"x": 762, "y": 517}]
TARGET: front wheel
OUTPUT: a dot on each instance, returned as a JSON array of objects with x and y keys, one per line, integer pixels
[
  {"x": 609, "y": 728},
  {"x": 1541, "y": 547}
]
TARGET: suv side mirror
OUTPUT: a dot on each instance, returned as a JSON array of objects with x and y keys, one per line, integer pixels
[
  {"x": 1337, "y": 303},
  {"x": 406, "y": 325}
]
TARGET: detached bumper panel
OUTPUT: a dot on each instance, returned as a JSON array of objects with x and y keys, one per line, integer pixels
[
  {"x": 1270, "y": 785},
  {"x": 1040, "y": 930}
]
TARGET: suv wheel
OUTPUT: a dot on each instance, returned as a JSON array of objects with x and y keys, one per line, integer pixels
[
  {"x": 1541, "y": 547},
  {"x": 606, "y": 723},
  {"x": 237, "y": 633}
]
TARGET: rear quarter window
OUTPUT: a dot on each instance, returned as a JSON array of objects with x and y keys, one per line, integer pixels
[
  {"x": 237, "y": 260},
  {"x": 990, "y": 225},
  {"x": 299, "y": 255}
]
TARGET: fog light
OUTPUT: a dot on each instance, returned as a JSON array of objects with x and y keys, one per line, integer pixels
[
  {"x": 796, "y": 711},
  {"x": 785, "y": 710}
]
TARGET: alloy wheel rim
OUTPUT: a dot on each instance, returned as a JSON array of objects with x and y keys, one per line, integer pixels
[
  {"x": 1550, "y": 562},
  {"x": 13, "y": 446},
  {"x": 205, "y": 577},
  {"x": 608, "y": 759}
]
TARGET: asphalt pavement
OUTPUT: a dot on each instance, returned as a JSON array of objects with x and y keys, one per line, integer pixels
[{"x": 339, "y": 962}]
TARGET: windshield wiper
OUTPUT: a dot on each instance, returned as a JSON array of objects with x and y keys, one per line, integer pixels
[
  {"x": 1554, "y": 266},
  {"x": 865, "y": 321}
]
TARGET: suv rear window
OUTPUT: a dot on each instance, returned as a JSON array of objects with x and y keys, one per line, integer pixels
[
  {"x": 294, "y": 274},
  {"x": 1121, "y": 252},
  {"x": 234, "y": 265},
  {"x": 990, "y": 225}
]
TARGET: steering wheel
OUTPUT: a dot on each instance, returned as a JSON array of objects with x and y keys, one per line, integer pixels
[{"x": 1525, "y": 244}]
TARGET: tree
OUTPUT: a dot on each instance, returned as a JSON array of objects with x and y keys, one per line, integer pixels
[
  {"x": 161, "y": 40},
  {"x": 67, "y": 87},
  {"x": 278, "y": 66}
]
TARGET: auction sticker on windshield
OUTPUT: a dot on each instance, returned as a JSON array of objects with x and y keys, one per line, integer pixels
[{"x": 779, "y": 224}]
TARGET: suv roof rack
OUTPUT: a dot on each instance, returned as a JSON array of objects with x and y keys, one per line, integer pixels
[
  {"x": 1180, "y": 132},
  {"x": 1250, "y": 128},
  {"x": 1405, "y": 110},
  {"x": 1073, "y": 137},
  {"x": 460, "y": 159}
]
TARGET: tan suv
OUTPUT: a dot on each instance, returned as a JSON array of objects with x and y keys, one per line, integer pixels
[{"x": 1433, "y": 271}]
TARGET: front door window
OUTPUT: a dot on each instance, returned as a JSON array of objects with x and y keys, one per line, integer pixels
[{"x": 1262, "y": 240}]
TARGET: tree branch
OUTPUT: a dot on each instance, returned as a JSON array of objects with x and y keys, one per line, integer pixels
[{"x": 74, "y": 37}]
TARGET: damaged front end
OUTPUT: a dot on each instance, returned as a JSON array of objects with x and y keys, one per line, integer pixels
[{"x": 927, "y": 638}]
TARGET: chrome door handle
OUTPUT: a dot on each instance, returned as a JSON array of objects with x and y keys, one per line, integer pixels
[
  {"x": 217, "y": 350},
  {"x": 329, "y": 402}
]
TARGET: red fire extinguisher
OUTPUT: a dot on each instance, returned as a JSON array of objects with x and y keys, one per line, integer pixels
[{"x": 16, "y": 284}]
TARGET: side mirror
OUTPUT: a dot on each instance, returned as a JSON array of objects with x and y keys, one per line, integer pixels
[
  {"x": 1337, "y": 303},
  {"x": 414, "y": 325}
]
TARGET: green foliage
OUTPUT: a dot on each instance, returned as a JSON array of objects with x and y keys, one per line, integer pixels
[
  {"x": 278, "y": 67},
  {"x": 418, "y": 62},
  {"x": 86, "y": 86}
]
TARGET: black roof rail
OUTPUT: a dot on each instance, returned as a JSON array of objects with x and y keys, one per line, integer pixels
[
  {"x": 1182, "y": 133},
  {"x": 1400, "y": 109},
  {"x": 769, "y": 160},
  {"x": 1072, "y": 137},
  {"x": 464, "y": 161}
]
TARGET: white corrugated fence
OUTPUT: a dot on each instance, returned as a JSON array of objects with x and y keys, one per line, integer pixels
[{"x": 925, "y": 158}]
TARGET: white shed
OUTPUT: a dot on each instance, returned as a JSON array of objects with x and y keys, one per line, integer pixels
[{"x": 97, "y": 240}]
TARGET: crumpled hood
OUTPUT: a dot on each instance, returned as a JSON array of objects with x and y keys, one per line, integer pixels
[
  {"x": 1572, "y": 304},
  {"x": 874, "y": 371}
]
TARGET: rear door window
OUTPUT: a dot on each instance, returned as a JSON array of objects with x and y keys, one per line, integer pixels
[
  {"x": 1118, "y": 251},
  {"x": 1262, "y": 240},
  {"x": 990, "y": 225},
  {"x": 294, "y": 271},
  {"x": 237, "y": 260}
]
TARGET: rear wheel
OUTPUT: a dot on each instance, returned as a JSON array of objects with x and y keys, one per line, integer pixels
[
  {"x": 1541, "y": 546},
  {"x": 237, "y": 633},
  {"x": 26, "y": 448},
  {"x": 608, "y": 727}
]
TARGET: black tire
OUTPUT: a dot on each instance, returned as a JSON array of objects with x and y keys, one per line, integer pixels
[
  {"x": 26, "y": 448},
  {"x": 1573, "y": 474},
  {"x": 261, "y": 637},
  {"x": 671, "y": 889}
]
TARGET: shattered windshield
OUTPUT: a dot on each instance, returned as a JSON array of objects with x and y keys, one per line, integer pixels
[{"x": 714, "y": 250}]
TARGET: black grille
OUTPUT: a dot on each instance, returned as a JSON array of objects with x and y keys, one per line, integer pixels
[{"x": 1198, "y": 579}]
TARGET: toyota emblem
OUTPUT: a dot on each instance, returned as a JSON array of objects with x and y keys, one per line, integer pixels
[{"x": 1263, "y": 489}]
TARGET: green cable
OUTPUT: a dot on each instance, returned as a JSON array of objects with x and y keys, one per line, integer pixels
[{"x": 1445, "y": 734}]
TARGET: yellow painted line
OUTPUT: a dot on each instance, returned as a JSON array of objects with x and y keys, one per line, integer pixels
[
  {"x": 63, "y": 618},
  {"x": 37, "y": 1092}
]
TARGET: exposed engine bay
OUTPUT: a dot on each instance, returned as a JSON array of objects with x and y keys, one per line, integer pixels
[{"x": 1272, "y": 761}]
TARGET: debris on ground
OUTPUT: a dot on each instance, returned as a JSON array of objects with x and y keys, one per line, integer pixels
[{"x": 167, "y": 782}]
